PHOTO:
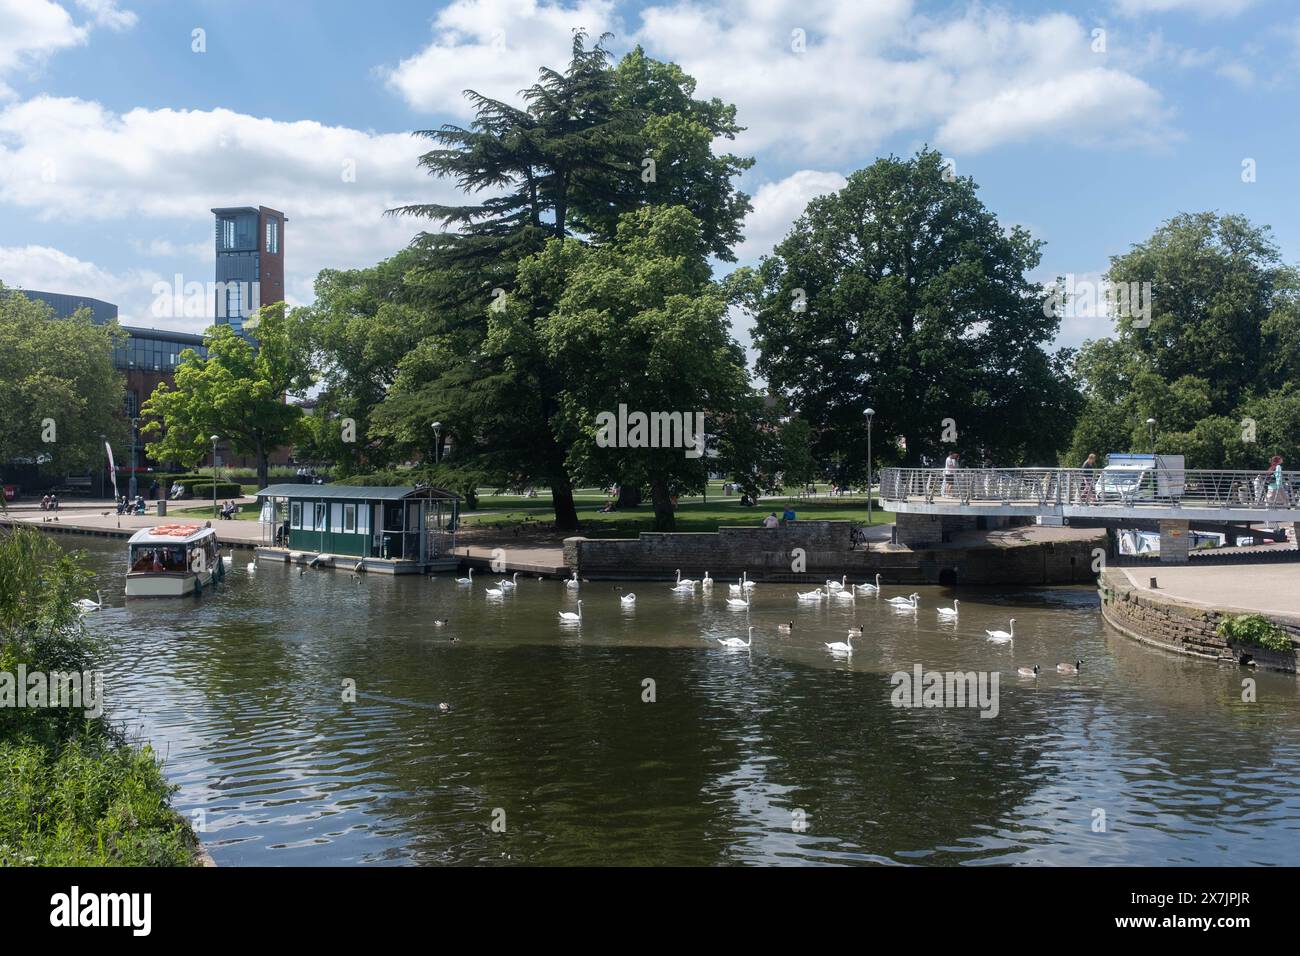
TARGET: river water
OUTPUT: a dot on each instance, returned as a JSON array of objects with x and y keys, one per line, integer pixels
[{"x": 549, "y": 752}]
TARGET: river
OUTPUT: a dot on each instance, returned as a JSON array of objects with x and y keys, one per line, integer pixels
[{"x": 549, "y": 752}]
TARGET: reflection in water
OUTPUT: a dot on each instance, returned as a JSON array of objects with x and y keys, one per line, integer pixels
[{"x": 242, "y": 692}]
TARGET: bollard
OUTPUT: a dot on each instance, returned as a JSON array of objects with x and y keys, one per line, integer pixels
[{"x": 1154, "y": 586}]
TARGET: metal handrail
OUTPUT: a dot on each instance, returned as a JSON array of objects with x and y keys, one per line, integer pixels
[{"x": 1058, "y": 487}]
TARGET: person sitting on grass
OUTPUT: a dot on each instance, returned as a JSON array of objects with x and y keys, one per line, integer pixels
[
  {"x": 771, "y": 521},
  {"x": 788, "y": 515}
]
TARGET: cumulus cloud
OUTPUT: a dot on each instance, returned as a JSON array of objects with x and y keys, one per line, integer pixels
[
  {"x": 777, "y": 205},
  {"x": 69, "y": 160},
  {"x": 814, "y": 78},
  {"x": 107, "y": 14},
  {"x": 31, "y": 30},
  {"x": 1202, "y": 8},
  {"x": 46, "y": 269}
]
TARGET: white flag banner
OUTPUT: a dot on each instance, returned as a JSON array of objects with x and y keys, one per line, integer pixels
[{"x": 112, "y": 468}]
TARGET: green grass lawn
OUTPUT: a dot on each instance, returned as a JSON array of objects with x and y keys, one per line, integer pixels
[
  {"x": 246, "y": 512},
  {"x": 692, "y": 515}
]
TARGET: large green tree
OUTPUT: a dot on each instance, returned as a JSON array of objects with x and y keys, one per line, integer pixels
[
  {"x": 239, "y": 392},
  {"x": 904, "y": 293},
  {"x": 58, "y": 387},
  {"x": 1217, "y": 367}
]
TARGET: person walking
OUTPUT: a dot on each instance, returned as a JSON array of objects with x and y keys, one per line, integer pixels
[
  {"x": 1088, "y": 496},
  {"x": 950, "y": 466},
  {"x": 1276, "y": 482}
]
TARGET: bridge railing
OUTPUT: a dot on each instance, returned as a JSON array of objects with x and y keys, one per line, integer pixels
[{"x": 1076, "y": 487}]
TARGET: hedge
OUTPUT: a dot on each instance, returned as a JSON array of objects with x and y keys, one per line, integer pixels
[{"x": 225, "y": 489}]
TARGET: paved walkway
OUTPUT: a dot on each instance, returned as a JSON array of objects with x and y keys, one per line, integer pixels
[
  {"x": 1266, "y": 588},
  {"x": 92, "y": 521}
]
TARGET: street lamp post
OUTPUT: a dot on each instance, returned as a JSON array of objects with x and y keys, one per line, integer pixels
[
  {"x": 214, "y": 475},
  {"x": 103, "y": 440},
  {"x": 1151, "y": 430},
  {"x": 870, "y": 413},
  {"x": 437, "y": 441},
  {"x": 135, "y": 440}
]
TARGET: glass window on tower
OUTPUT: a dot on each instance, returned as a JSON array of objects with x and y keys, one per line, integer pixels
[{"x": 272, "y": 236}]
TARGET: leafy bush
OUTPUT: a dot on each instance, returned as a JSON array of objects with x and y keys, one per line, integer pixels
[
  {"x": 1255, "y": 629},
  {"x": 73, "y": 791},
  {"x": 225, "y": 489}
]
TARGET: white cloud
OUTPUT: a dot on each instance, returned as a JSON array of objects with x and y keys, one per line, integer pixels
[
  {"x": 777, "y": 205},
  {"x": 108, "y": 14},
  {"x": 46, "y": 269},
  {"x": 31, "y": 30},
  {"x": 156, "y": 174},
  {"x": 494, "y": 47},
  {"x": 816, "y": 79},
  {"x": 1202, "y": 8}
]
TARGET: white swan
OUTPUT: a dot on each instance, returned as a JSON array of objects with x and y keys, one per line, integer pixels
[
  {"x": 512, "y": 583},
  {"x": 949, "y": 613},
  {"x": 682, "y": 580},
  {"x": 846, "y": 594},
  {"x": 737, "y": 642},
  {"x": 870, "y": 588},
  {"x": 628, "y": 599},
  {"x": 573, "y": 581},
  {"x": 747, "y": 584},
  {"x": 833, "y": 585},
  {"x": 495, "y": 592},
  {"x": 683, "y": 588},
  {"x": 811, "y": 595},
  {"x": 86, "y": 604},
  {"x": 738, "y": 587},
  {"x": 738, "y": 602},
  {"x": 840, "y": 647},
  {"x": 569, "y": 617},
  {"x": 909, "y": 603},
  {"x": 1003, "y": 637},
  {"x": 468, "y": 580},
  {"x": 707, "y": 582},
  {"x": 251, "y": 567}
]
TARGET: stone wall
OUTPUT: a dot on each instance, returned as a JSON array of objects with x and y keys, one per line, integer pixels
[
  {"x": 1185, "y": 628},
  {"x": 766, "y": 554}
]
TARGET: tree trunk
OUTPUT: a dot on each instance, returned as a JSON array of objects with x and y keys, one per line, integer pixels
[
  {"x": 263, "y": 466},
  {"x": 566, "y": 512},
  {"x": 629, "y": 496},
  {"x": 663, "y": 502}
]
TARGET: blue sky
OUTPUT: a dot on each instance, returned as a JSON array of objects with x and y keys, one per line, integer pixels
[{"x": 116, "y": 136}]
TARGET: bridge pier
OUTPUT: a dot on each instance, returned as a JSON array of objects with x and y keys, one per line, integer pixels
[{"x": 1175, "y": 542}]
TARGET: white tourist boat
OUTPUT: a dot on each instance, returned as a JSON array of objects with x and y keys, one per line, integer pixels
[{"x": 172, "y": 560}]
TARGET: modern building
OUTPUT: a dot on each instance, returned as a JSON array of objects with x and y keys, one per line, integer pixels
[
  {"x": 65, "y": 305},
  {"x": 250, "y": 262}
]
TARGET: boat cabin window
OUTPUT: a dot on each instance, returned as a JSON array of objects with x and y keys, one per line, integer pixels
[
  {"x": 157, "y": 558},
  {"x": 295, "y": 515},
  {"x": 350, "y": 519}
]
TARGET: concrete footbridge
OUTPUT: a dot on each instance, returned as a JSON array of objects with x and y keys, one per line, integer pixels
[{"x": 932, "y": 501}]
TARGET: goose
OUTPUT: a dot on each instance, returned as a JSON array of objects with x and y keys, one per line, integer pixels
[
  {"x": 707, "y": 582},
  {"x": 86, "y": 604},
  {"x": 870, "y": 588},
  {"x": 682, "y": 580},
  {"x": 833, "y": 585},
  {"x": 467, "y": 580},
  {"x": 857, "y": 631},
  {"x": 1028, "y": 671},
  {"x": 510, "y": 583},
  {"x": 1003, "y": 637},
  {"x": 568, "y": 617},
  {"x": 738, "y": 602},
  {"x": 737, "y": 642},
  {"x": 573, "y": 581},
  {"x": 628, "y": 599},
  {"x": 811, "y": 595},
  {"x": 911, "y": 602},
  {"x": 787, "y": 628},
  {"x": 1069, "y": 668},
  {"x": 840, "y": 647},
  {"x": 440, "y": 623},
  {"x": 949, "y": 613}
]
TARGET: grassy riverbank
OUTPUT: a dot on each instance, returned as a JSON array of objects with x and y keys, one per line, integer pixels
[{"x": 73, "y": 790}]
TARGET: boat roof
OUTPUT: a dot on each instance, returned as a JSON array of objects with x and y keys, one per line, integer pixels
[
  {"x": 171, "y": 534},
  {"x": 364, "y": 492}
]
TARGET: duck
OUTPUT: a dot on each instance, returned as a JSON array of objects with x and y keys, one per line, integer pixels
[
  {"x": 453, "y": 640},
  {"x": 569, "y": 617},
  {"x": 86, "y": 604},
  {"x": 1028, "y": 671},
  {"x": 811, "y": 595},
  {"x": 911, "y": 602},
  {"x": 573, "y": 581},
  {"x": 1003, "y": 637},
  {"x": 628, "y": 598},
  {"x": 833, "y": 585},
  {"x": 841, "y": 647},
  {"x": 737, "y": 642},
  {"x": 869, "y": 588},
  {"x": 444, "y": 707},
  {"x": 467, "y": 580},
  {"x": 1069, "y": 668},
  {"x": 787, "y": 628},
  {"x": 949, "y": 613},
  {"x": 440, "y": 623},
  {"x": 510, "y": 583}
]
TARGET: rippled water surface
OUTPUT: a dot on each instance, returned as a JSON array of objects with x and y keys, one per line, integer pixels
[{"x": 547, "y": 728}]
